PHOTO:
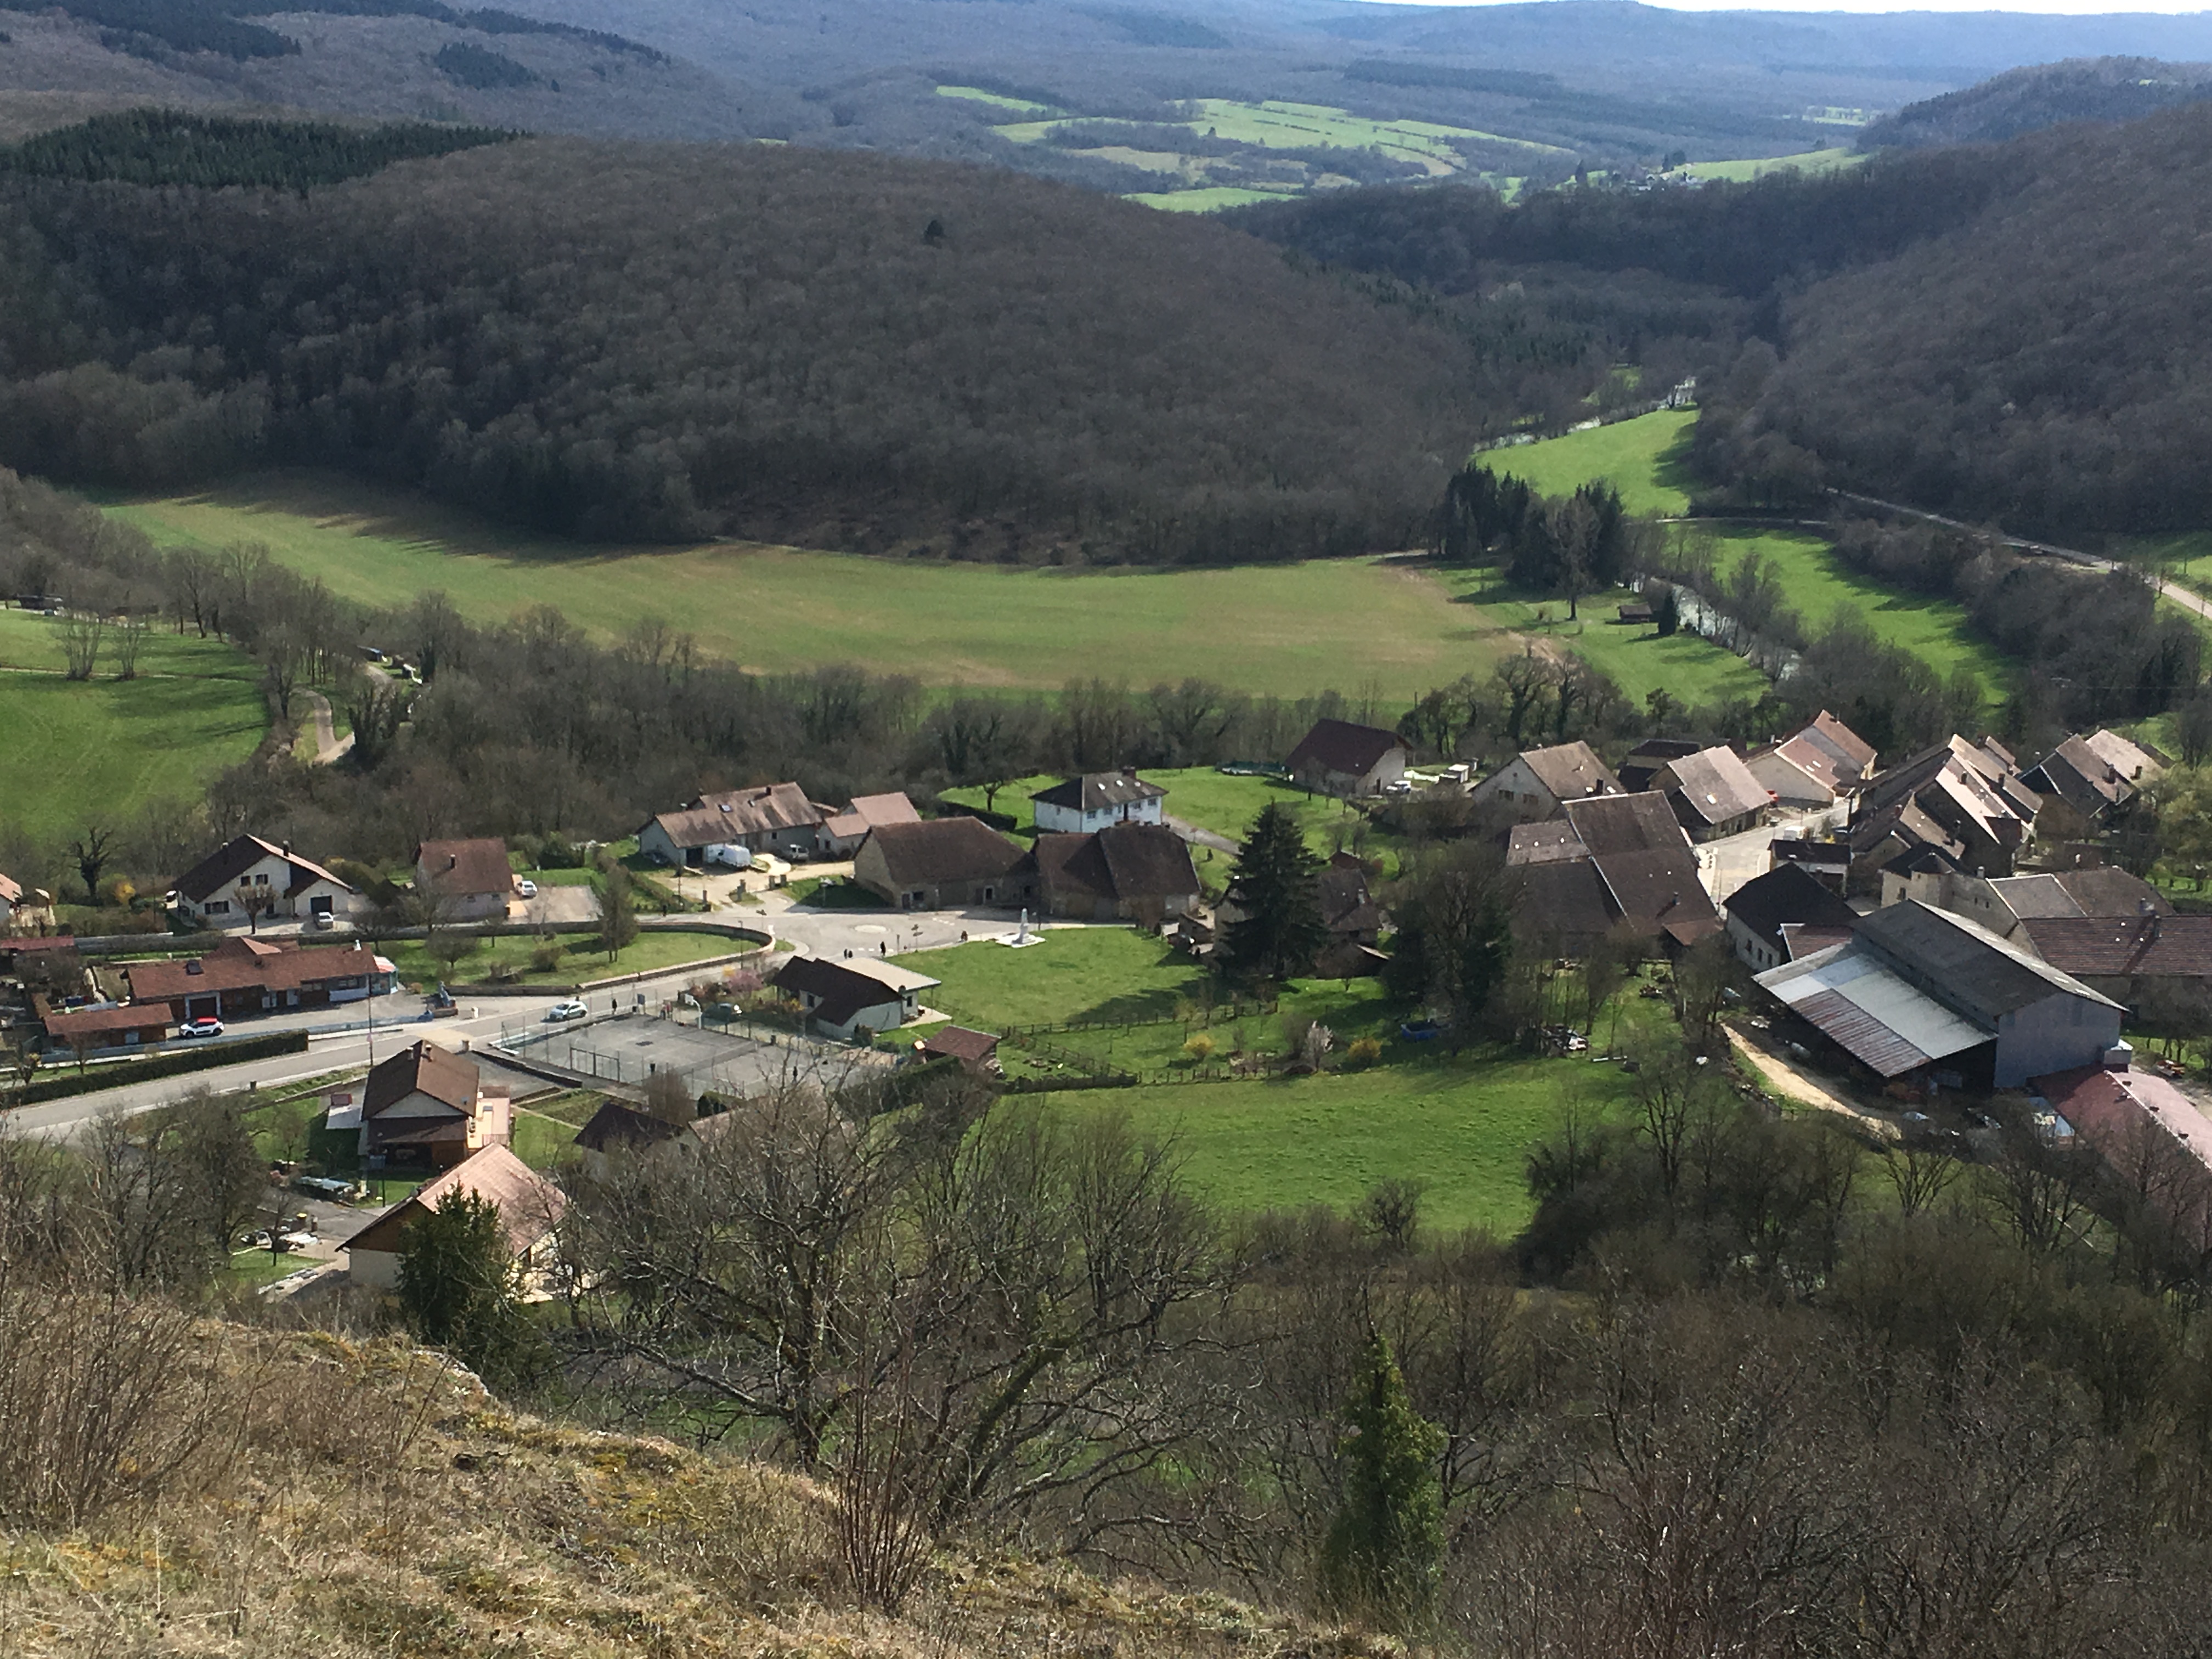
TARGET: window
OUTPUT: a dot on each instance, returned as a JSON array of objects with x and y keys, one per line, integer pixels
[{"x": 217, "y": 907}]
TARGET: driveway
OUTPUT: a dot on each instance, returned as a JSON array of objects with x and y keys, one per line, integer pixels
[
  {"x": 1726, "y": 864},
  {"x": 557, "y": 905}
]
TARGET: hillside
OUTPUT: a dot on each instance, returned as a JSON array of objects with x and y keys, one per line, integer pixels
[
  {"x": 2105, "y": 89},
  {"x": 638, "y": 343},
  {"x": 2044, "y": 363}
]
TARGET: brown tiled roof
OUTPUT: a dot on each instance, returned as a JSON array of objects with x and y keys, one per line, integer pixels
[
  {"x": 529, "y": 1204},
  {"x": 733, "y": 815},
  {"x": 866, "y": 812},
  {"x": 1627, "y": 823},
  {"x": 230, "y": 861},
  {"x": 1659, "y": 891},
  {"x": 239, "y": 964},
  {"x": 1096, "y": 790},
  {"x": 1563, "y": 903},
  {"x": 465, "y": 869},
  {"x": 98, "y": 1022},
  {"x": 2126, "y": 1116},
  {"x": 1147, "y": 860},
  {"x": 1549, "y": 842},
  {"x": 2110, "y": 947},
  {"x": 2104, "y": 890},
  {"x": 943, "y": 849},
  {"x": 616, "y": 1127},
  {"x": 1341, "y": 746},
  {"x": 1711, "y": 786},
  {"x": 958, "y": 1043},
  {"x": 1346, "y": 906},
  {"x": 1636, "y": 771},
  {"x": 1571, "y": 771},
  {"x": 421, "y": 1067}
]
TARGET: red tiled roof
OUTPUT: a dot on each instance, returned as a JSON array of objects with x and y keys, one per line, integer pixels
[
  {"x": 957, "y": 1042},
  {"x": 529, "y": 1204},
  {"x": 241, "y": 965},
  {"x": 2109, "y": 947}
]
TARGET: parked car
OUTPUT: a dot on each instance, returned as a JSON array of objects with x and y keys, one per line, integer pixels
[
  {"x": 324, "y": 922},
  {"x": 205, "y": 1026},
  {"x": 566, "y": 1011},
  {"x": 526, "y": 887}
]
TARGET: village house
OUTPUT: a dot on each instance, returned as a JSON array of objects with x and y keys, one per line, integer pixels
[
  {"x": 245, "y": 977},
  {"x": 2153, "y": 961},
  {"x": 2086, "y": 780},
  {"x": 1966, "y": 800},
  {"x": 1094, "y": 800},
  {"x": 1616, "y": 863},
  {"x": 1642, "y": 763},
  {"x": 1828, "y": 862},
  {"x": 2002, "y": 903},
  {"x": 1760, "y": 911},
  {"x": 426, "y": 1106},
  {"x": 116, "y": 1026},
  {"x": 1338, "y": 757},
  {"x": 1712, "y": 793},
  {"x": 1354, "y": 921},
  {"x": 842, "y": 998},
  {"x": 467, "y": 880},
  {"x": 843, "y": 833},
  {"x": 619, "y": 1131},
  {"x": 731, "y": 826},
  {"x": 1537, "y": 782},
  {"x": 1824, "y": 763},
  {"x": 248, "y": 880},
  {"x": 945, "y": 864},
  {"x": 2157, "y": 1141},
  {"x": 1917, "y": 990},
  {"x": 1138, "y": 873},
  {"x": 530, "y": 1207}
]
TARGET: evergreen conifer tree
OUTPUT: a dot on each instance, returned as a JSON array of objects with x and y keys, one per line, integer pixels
[
  {"x": 1280, "y": 930},
  {"x": 457, "y": 1289},
  {"x": 1383, "y": 1551}
]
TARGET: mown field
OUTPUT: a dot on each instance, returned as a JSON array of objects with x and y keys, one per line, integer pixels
[
  {"x": 75, "y": 751},
  {"x": 1635, "y": 657},
  {"x": 1288, "y": 630},
  {"x": 1646, "y": 459},
  {"x": 1814, "y": 161},
  {"x": 1202, "y": 795}
]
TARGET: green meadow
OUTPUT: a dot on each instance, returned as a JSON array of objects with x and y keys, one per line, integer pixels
[
  {"x": 1646, "y": 459},
  {"x": 1211, "y": 799},
  {"x": 1289, "y": 629},
  {"x": 75, "y": 752},
  {"x": 1814, "y": 161}
]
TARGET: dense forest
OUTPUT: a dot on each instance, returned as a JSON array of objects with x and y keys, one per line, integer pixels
[
  {"x": 169, "y": 147},
  {"x": 2020, "y": 100},
  {"x": 632, "y": 344},
  {"x": 2014, "y": 332}
]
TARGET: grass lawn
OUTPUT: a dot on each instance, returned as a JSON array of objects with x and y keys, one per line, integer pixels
[
  {"x": 1289, "y": 631},
  {"x": 543, "y": 1142},
  {"x": 1207, "y": 199},
  {"x": 1646, "y": 459},
  {"x": 1814, "y": 161},
  {"x": 1197, "y": 794},
  {"x": 1077, "y": 973},
  {"x": 70, "y": 750},
  {"x": 583, "y": 960},
  {"x": 835, "y": 893},
  {"x": 1636, "y": 659},
  {"x": 997, "y": 101},
  {"x": 1819, "y": 584},
  {"x": 1463, "y": 1128}
]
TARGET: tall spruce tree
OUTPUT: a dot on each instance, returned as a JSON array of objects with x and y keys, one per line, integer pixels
[
  {"x": 1280, "y": 930},
  {"x": 1383, "y": 1551},
  {"x": 458, "y": 1289}
]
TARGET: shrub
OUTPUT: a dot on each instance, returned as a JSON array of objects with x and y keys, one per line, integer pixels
[
  {"x": 546, "y": 956},
  {"x": 1364, "y": 1051},
  {"x": 1199, "y": 1046}
]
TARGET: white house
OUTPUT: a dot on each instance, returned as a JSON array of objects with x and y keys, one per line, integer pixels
[
  {"x": 1083, "y": 805},
  {"x": 250, "y": 880},
  {"x": 1537, "y": 782},
  {"x": 841, "y": 997},
  {"x": 1338, "y": 757}
]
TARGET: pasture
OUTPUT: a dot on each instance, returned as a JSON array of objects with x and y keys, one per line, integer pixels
[
  {"x": 1460, "y": 1127},
  {"x": 1287, "y": 631},
  {"x": 1635, "y": 657},
  {"x": 1811, "y": 161},
  {"x": 1210, "y": 799},
  {"x": 74, "y": 751},
  {"x": 1646, "y": 459},
  {"x": 1211, "y": 198}
]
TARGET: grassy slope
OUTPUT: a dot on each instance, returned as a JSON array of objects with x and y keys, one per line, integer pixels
[
  {"x": 1210, "y": 200},
  {"x": 1077, "y": 973},
  {"x": 1636, "y": 659},
  {"x": 1289, "y": 631},
  {"x": 583, "y": 961},
  {"x": 1463, "y": 1128},
  {"x": 1816, "y": 161},
  {"x": 1647, "y": 460},
  {"x": 70, "y": 753},
  {"x": 1196, "y": 794}
]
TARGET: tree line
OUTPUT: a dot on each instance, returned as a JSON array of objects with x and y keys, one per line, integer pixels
[{"x": 150, "y": 147}]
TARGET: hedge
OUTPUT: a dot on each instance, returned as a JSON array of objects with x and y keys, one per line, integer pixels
[{"x": 114, "y": 1076}]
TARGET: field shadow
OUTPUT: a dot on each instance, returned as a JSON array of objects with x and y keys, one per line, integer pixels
[{"x": 1670, "y": 468}]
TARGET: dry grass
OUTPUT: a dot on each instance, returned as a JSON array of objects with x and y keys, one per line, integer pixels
[{"x": 365, "y": 1499}]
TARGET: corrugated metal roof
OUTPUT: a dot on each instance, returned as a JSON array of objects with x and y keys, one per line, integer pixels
[{"x": 1875, "y": 1016}]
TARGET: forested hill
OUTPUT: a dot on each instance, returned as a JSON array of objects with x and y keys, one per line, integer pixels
[
  {"x": 635, "y": 342},
  {"x": 2044, "y": 95},
  {"x": 2049, "y": 363}
]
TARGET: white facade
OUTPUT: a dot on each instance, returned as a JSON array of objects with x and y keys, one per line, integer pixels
[
  {"x": 1069, "y": 820},
  {"x": 1514, "y": 786},
  {"x": 265, "y": 891}
]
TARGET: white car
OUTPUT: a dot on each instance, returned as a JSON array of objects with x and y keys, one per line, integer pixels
[
  {"x": 528, "y": 889},
  {"x": 560, "y": 1012}
]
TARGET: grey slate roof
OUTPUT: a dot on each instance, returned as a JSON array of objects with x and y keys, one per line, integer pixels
[
  {"x": 1094, "y": 792},
  {"x": 1964, "y": 965},
  {"x": 1788, "y": 894}
]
